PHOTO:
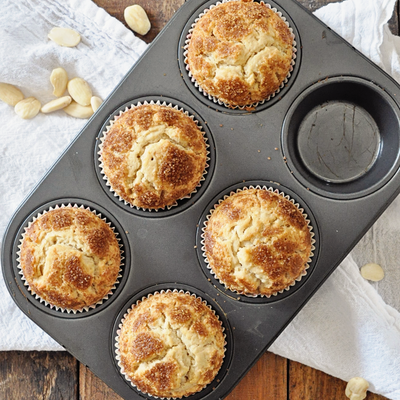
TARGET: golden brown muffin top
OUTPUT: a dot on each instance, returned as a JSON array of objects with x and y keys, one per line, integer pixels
[
  {"x": 153, "y": 156},
  {"x": 240, "y": 52},
  {"x": 171, "y": 345},
  {"x": 257, "y": 242},
  {"x": 70, "y": 257}
]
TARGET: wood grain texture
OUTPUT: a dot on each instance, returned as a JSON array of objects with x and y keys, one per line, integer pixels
[
  {"x": 93, "y": 388},
  {"x": 266, "y": 380},
  {"x": 394, "y": 21},
  {"x": 309, "y": 384},
  {"x": 38, "y": 375}
]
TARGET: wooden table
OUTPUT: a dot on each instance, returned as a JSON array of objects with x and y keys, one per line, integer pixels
[{"x": 57, "y": 375}]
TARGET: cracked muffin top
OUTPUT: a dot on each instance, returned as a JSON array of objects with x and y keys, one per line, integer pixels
[
  {"x": 171, "y": 345},
  {"x": 70, "y": 257},
  {"x": 153, "y": 156},
  {"x": 257, "y": 242},
  {"x": 240, "y": 52}
]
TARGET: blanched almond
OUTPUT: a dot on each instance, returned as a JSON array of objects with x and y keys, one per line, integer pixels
[
  {"x": 78, "y": 111},
  {"x": 56, "y": 104},
  {"x": 28, "y": 108},
  {"x": 372, "y": 272},
  {"x": 356, "y": 388},
  {"x": 95, "y": 102},
  {"x": 137, "y": 19},
  {"x": 10, "y": 94},
  {"x": 64, "y": 37},
  {"x": 80, "y": 91},
  {"x": 59, "y": 80}
]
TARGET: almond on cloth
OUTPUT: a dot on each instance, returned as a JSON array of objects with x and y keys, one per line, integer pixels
[
  {"x": 57, "y": 104},
  {"x": 10, "y": 94},
  {"x": 28, "y": 108},
  {"x": 372, "y": 272},
  {"x": 64, "y": 37},
  {"x": 95, "y": 102},
  {"x": 80, "y": 91},
  {"x": 59, "y": 80},
  {"x": 78, "y": 111}
]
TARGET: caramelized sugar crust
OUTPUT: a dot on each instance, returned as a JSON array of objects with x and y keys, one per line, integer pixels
[
  {"x": 153, "y": 156},
  {"x": 70, "y": 257},
  {"x": 240, "y": 52},
  {"x": 257, "y": 242},
  {"x": 171, "y": 345}
]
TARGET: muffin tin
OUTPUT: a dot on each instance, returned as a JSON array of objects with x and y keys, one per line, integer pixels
[{"x": 330, "y": 140}]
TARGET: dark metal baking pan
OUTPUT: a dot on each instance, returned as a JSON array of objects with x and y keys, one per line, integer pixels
[{"x": 269, "y": 145}]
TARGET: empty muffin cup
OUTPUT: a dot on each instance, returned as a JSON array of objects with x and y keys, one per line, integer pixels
[{"x": 341, "y": 137}]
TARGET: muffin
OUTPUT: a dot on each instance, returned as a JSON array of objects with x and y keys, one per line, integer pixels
[
  {"x": 257, "y": 242},
  {"x": 153, "y": 155},
  {"x": 240, "y": 52},
  {"x": 70, "y": 258},
  {"x": 170, "y": 345}
]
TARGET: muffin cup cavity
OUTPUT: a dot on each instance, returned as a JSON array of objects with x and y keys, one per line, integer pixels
[
  {"x": 216, "y": 100},
  {"x": 180, "y": 203},
  {"x": 277, "y": 189},
  {"x": 134, "y": 303},
  {"x": 341, "y": 137},
  {"x": 56, "y": 307}
]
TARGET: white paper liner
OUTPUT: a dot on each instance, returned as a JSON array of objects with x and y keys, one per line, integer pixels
[
  {"x": 53, "y": 306},
  {"x": 158, "y": 103},
  {"x": 117, "y": 352},
  {"x": 270, "y": 189},
  {"x": 215, "y": 99}
]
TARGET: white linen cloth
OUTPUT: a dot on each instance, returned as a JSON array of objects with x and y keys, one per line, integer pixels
[
  {"x": 29, "y": 147},
  {"x": 349, "y": 328}
]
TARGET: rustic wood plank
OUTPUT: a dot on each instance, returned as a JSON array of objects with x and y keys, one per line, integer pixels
[
  {"x": 308, "y": 383},
  {"x": 91, "y": 387},
  {"x": 159, "y": 12},
  {"x": 266, "y": 380},
  {"x": 38, "y": 375},
  {"x": 394, "y": 21}
]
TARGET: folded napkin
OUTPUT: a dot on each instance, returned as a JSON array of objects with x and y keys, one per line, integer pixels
[{"x": 349, "y": 328}]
